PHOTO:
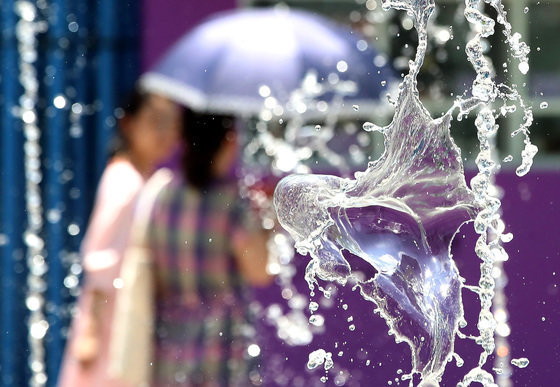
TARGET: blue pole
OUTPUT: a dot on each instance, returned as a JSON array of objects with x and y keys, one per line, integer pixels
[
  {"x": 11, "y": 202},
  {"x": 129, "y": 55},
  {"x": 105, "y": 79},
  {"x": 78, "y": 141},
  {"x": 55, "y": 128}
]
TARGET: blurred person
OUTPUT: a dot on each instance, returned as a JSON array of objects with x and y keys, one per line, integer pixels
[
  {"x": 182, "y": 310},
  {"x": 148, "y": 131}
]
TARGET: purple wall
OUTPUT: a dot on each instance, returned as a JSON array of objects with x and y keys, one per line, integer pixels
[
  {"x": 532, "y": 213},
  {"x": 163, "y": 22}
]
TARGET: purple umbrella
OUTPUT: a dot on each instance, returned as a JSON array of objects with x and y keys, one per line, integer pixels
[{"x": 234, "y": 61}]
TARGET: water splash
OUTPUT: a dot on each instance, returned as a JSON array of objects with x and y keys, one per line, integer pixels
[{"x": 400, "y": 215}]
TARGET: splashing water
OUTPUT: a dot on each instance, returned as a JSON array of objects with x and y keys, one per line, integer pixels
[{"x": 400, "y": 215}]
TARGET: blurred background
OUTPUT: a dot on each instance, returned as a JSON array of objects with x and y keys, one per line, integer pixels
[{"x": 88, "y": 54}]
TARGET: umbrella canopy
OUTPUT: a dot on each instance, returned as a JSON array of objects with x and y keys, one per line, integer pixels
[{"x": 236, "y": 61}]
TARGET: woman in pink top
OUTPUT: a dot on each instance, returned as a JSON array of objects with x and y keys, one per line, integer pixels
[{"x": 149, "y": 130}]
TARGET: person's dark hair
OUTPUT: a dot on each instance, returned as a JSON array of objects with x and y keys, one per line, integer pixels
[
  {"x": 128, "y": 108},
  {"x": 203, "y": 135}
]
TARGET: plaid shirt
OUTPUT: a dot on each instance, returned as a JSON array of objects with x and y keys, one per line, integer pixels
[{"x": 200, "y": 311}]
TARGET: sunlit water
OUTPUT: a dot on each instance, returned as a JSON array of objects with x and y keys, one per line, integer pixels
[{"x": 401, "y": 214}]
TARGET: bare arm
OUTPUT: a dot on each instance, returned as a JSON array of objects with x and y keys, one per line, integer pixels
[
  {"x": 86, "y": 344},
  {"x": 251, "y": 255}
]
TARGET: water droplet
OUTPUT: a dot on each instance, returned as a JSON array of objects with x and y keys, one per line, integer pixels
[
  {"x": 76, "y": 131},
  {"x": 544, "y": 105},
  {"x": 77, "y": 108},
  {"x": 352, "y": 327},
  {"x": 264, "y": 91},
  {"x": 28, "y": 117},
  {"x": 356, "y": 107},
  {"x": 313, "y": 306},
  {"x": 54, "y": 215},
  {"x": 362, "y": 44},
  {"x": 254, "y": 350},
  {"x": 73, "y": 26},
  {"x": 521, "y": 362},
  {"x": 316, "y": 358},
  {"x": 71, "y": 281},
  {"x": 328, "y": 361},
  {"x": 39, "y": 329},
  {"x": 118, "y": 283},
  {"x": 34, "y": 302},
  {"x": 287, "y": 293},
  {"x": 317, "y": 127},
  {"x": 317, "y": 320},
  {"x": 524, "y": 67},
  {"x": 342, "y": 66},
  {"x": 527, "y": 156},
  {"x": 59, "y": 102},
  {"x": 73, "y": 229},
  {"x": 506, "y": 238}
]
